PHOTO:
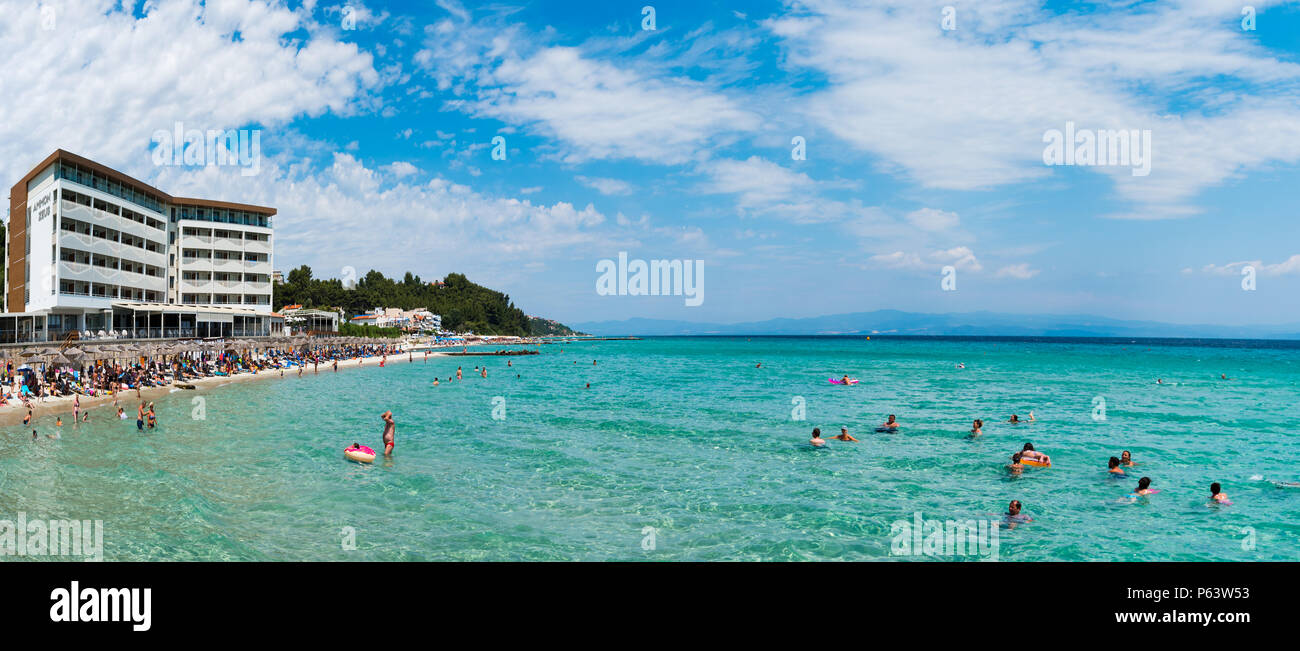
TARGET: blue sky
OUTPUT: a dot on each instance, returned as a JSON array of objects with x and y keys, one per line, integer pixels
[{"x": 924, "y": 145}]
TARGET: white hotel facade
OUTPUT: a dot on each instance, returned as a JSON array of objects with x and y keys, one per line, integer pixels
[{"x": 93, "y": 251}]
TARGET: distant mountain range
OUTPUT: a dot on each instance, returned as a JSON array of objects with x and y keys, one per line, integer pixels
[{"x": 894, "y": 322}]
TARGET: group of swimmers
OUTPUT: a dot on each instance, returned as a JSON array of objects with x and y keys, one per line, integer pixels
[
  {"x": 145, "y": 416},
  {"x": 889, "y": 425},
  {"x": 1029, "y": 456}
]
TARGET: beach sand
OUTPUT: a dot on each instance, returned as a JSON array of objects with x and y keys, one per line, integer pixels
[{"x": 12, "y": 415}]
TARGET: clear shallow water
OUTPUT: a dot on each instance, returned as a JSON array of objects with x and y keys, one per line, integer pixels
[{"x": 686, "y": 436}]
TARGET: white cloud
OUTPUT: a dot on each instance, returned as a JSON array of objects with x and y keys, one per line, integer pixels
[
  {"x": 408, "y": 225},
  {"x": 596, "y": 110},
  {"x": 1020, "y": 271},
  {"x": 1286, "y": 267},
  {"x": 932, "y": 219},
  {"x": 400, "y": 169},
  {"x": 605, "y": 186},
  {"x": 759, "y": 183},
  {"x": 960, "y": 257},
  {"x": 108, "y": 80},
  {"x": 967, "y": 109}
]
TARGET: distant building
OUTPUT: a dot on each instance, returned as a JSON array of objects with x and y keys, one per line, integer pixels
[
  {"x": 417, "y": 320},
  {"x": 299, "y": 320}
]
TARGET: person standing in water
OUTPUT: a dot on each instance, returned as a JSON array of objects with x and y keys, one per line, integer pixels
[
  {"x": 1113, "y": 467},
  {"x": 1015, "y": 467},
  {"x": 458, "y": 373},
  {"x": 817, "y": 439},
  {"x": 390, "y": 432},
  {"x": 139, "y": 417},
  {"x": 1217, "y": 494},
  {"x": 891, "y": 423},
  {"x": 1014, "y": 516},
  {"x": 844, "y": 435}
]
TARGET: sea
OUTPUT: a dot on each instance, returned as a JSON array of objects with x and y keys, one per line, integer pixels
[{"x": 697, "y": 449}]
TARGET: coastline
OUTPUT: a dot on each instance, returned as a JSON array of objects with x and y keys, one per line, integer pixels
[{"x": 12, "y": 414}]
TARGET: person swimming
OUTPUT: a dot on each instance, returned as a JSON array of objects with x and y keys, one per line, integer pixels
[
  {"x": 1028, "y": 452},
  {"x": 890, "y": 423},
  {"x": 977, "y": 429},
  {"x": 1125, "y": 458},
  {"x": 1013, "y": 515},
  {"x": 1144, "y": 487},
  {"x": 1217, "y": 494},
  {"x": 817, "y": 439},
  {"x": 844, "y": 435},
  {"x": 1113, "y": 467},
  {"x": 844, "y": 380},
  {"x": 1015, "y": 467},
  {"x": 1016, "y": 419}
]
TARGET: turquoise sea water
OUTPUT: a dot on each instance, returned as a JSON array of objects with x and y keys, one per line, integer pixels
[{"x": 686, "y": 436}]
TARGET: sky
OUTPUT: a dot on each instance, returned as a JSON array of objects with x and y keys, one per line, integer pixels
[{"x": 813, "y": 157}]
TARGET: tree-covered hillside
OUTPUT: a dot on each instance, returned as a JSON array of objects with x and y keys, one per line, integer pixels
[{"x": 464, "y": 306}]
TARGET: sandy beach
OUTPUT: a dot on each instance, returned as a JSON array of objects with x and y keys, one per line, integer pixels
[{"x": 12, "y": 414}]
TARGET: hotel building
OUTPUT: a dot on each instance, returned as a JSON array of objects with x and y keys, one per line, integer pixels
[{"x": 93, "y": 251}]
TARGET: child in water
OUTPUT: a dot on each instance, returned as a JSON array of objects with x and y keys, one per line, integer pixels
[
  {"x": 1144, "y": 487},
  {"x": 1015, "y": 466}
]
